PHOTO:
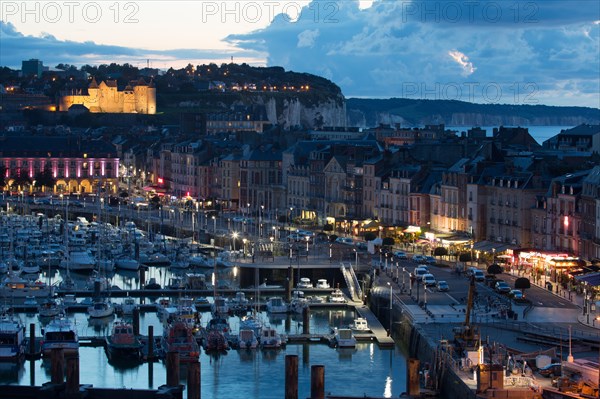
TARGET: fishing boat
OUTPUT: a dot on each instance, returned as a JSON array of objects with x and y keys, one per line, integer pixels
[
  {"x": 216, "y": 331},
  {"x": 122, "y": 342},
  {"x": 337, "y": 296},
  {"x": 247, "y": 339},
  {"x": 270, "y": 338},
  {"x": 178, "y": 337},
  {"x": 60, "y": 333},
  {"x": 276, "y": 304},
  {"x": 12, "y": 338},
  {"x": 101, "y": 308},
  {"x": 344, "y": 338}
]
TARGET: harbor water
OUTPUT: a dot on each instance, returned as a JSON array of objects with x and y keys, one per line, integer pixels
[{"x": 364, "y": 370}]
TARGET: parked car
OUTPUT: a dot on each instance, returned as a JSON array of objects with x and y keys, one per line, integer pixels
[
  {"x": 400, "y": 255},
  {"x": 429, "y": 280},
  {"x": 420, "y": 272},
  {"x": 551, "y": 370},
  {"x": 430, "y": 259},
  {"x": 517, "y": 295},
  {"x": 344, "y": 240},
  {"x": 479, "y": 276},
  {"x": 502, "y": 287},
  {"x": 442, "y": 286},
  {"x": 419, "y": 258}
]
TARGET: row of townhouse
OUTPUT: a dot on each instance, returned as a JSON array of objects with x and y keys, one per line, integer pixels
[{"x": 490, "y": 194}]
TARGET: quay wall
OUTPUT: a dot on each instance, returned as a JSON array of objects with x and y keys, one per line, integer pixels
[{"x": 417, "y": 344}]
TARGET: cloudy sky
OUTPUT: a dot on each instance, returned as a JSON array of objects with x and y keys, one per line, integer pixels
[{"x": 513, "y": 51}]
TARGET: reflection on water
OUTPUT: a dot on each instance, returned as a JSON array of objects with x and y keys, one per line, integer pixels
[{"x": 257, "y": 374}]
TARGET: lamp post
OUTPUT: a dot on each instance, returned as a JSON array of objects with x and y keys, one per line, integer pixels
[
  {"x": 471, "y": 254},
  {"x": 244, "y": 249},
  {"x": 214, "y": 224},
  {"x": 307, "y": 238},
  {"x": 356, "y": 259},
  {"x": 403, "y": 273},
  {"x": 260, "y": 218},
  {"x": 391, "y": 307},
  {"x": 234, "y": 237}
]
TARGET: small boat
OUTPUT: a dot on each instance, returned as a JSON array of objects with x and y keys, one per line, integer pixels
[
  {"x": 270, "y": 338},
  {"x": 30, "y": 268},
  {"x": 247, "y": 339},
  {"x": 12, "y": 338},
  {"x": 276, "y": 304},
  {"x": 251, "y": 322},
  {"x": 155, "y": 259},
  {"x": 69, "y": 300},
  {"x": 14, "y": 286},
  {"x": 216, "y": 339},
  {"x": 323, "y": 284},
  {"x": 360, "y": 325},
  {"x": 101, "y": 308},
  {"x": 49, "y": 308},
  {"x": 239, "y": 303},
  {"x": 298, "y": 302},
  {"x": 178, "y": 337},
  {"x": 337, "y": 296},
  {"x": 122, "y": 342},
  {"x": 344, "y": 338},
  {"x": 152, "y": 284},
  {"x": 78, "y": 261},
  {"x": 304, "y": 283},
  {"x": 128, "y": 306},
  {"x": 60, "y": 333},
  {"x": 219, "y": 306},
  {"x": 126, "y": 263}
]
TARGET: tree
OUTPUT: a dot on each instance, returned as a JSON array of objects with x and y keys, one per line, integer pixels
[
  {"x": 465, "y": 257},
  {"x": 328, "y": 227},
  {"x": 21, "y": 178},
  {"x": 494, "y": 269},
  {"x": 388, "y": 242},
  {"x": 369, "y": 236},
  {"x": 45, "y": 178},
  {"x": 522, "y": 283},
  {"x": 440, "y": 251}
]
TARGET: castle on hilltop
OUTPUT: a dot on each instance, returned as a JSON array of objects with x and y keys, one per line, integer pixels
[{"x": 137, "y": 97}]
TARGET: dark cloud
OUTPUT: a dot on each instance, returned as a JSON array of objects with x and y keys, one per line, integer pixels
[{"x": 389, "y": 49}]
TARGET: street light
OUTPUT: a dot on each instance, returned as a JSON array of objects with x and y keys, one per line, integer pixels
[
  {"x": 356, "y": 261},
  {"x": 214, "y": 224},
  {"x": 244, "y": 250},
  {"x": 424, "y": 296},
  {"x": 234, "y": 237}
]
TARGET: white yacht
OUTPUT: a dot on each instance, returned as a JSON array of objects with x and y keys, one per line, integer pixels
[
  {"x": 360, "y": 325},
  {"x": 270, "y": 338},
  {"x": 78, "y": 261},
  {"x": 323, "y": 284},
  {"x": 304, "y": 283},
  {"x": 276, "y": 304}
]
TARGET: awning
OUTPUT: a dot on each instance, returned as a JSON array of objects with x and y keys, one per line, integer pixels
[
  {"x": 412, "y": 229},
  {"x": 490, "y": 246},
  {"x": 592, "y": 279}
]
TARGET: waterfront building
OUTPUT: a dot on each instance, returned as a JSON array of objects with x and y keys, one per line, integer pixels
[{"x": 77, "y": 165}]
